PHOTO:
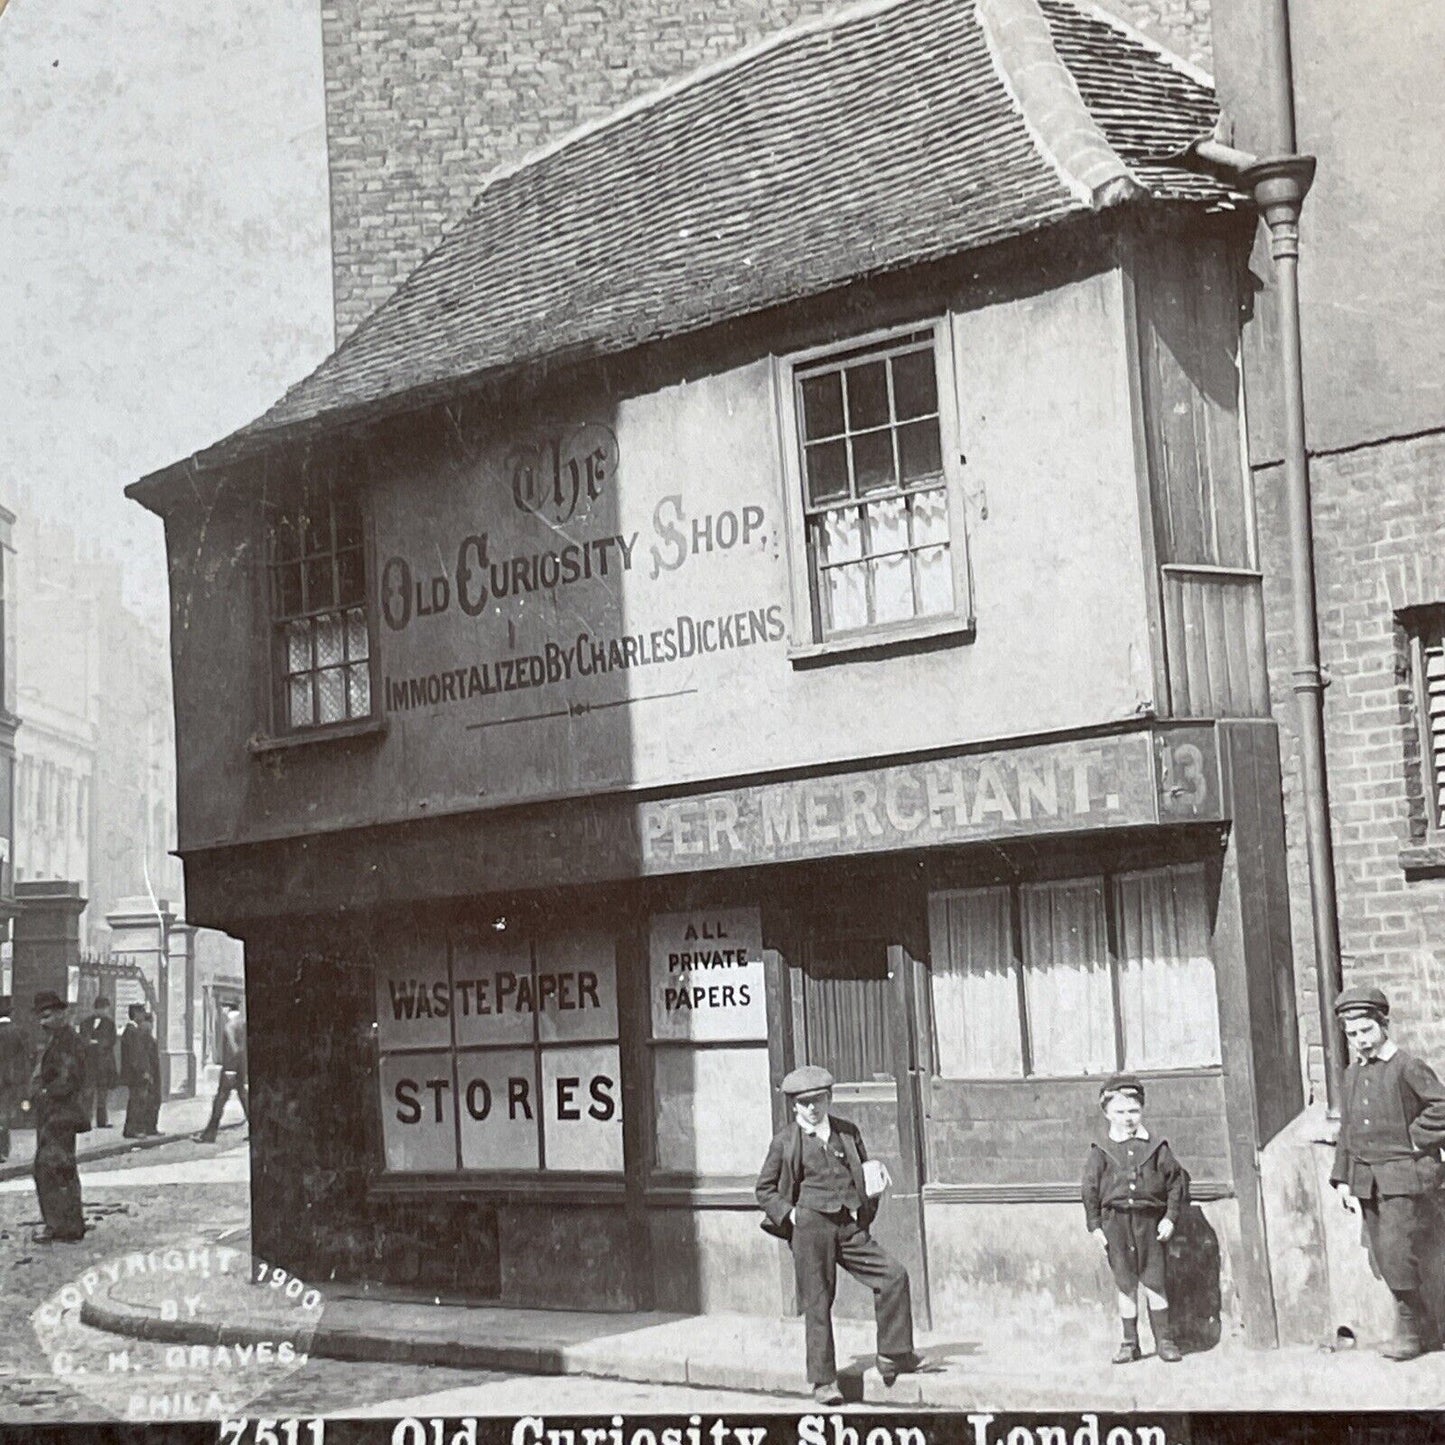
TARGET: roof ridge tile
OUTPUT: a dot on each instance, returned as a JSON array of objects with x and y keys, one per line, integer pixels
[{"x": 1048, "y": 100}]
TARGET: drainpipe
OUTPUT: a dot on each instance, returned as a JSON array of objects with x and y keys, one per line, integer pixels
[{"x": 1279, "y": 185}]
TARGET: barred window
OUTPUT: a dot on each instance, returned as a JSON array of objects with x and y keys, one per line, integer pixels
[
  {"x": 1427, "y": 666},
  {"x": 322, "y": 637},
  {"x": 875, "y": 497}
]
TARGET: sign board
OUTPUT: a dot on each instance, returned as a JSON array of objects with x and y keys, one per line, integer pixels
[
  {"x": 499, "y": 1052},
  {"x": 1100, "y": 782},
  {"x": 706, "y": 970}
]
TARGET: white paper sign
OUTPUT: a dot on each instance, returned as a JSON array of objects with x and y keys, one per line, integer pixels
[
  {"x": 418, "y": 1113},
  {"x": 582, "y": 1103},
  {"x": 707, "y": 975},
  {"x": 499, "y": 1109}
]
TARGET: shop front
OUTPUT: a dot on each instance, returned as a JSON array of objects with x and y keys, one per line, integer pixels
[{"x": 566, "y": 1085}]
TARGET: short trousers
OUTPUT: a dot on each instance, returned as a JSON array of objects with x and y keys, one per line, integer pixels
[{"x": 1136, "y": 1253}]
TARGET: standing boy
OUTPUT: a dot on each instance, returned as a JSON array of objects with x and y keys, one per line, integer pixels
[
  {"x": 57, "y": 1092},
  {"x": 1134, "y": 1191},
  {"x": 815, "y": 1193},
  {"x": 97, "y": 1033},
  {"x": 1387, "y": 1163}
]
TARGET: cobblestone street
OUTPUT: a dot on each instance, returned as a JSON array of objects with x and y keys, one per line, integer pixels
[{"x": 185, "y": 1190}]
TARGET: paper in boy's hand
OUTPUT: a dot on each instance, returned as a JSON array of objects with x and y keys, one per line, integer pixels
[{"x": 875, "y": 1177}]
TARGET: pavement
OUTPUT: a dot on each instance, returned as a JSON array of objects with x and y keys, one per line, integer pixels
[
  {"x": 973, "y": 1369},
  {"x": 178, "y": 1118}
]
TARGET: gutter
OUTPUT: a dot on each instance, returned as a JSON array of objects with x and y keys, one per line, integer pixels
[{"x": 1279, "y": 185}]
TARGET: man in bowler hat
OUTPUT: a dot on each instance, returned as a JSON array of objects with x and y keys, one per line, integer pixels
[
  {"x": 97, "y": 1033},
  {"x": 14, "y": 1072},
  {"x": 57, "y": 1091},
  {"x": 817, "y": 1194},
  {"x": 1387, "y": 1164}
]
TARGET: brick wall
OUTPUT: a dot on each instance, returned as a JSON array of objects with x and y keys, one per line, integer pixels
[
  {"x": 1380, "y": 547},
  {"x": 425, "y": 97}
]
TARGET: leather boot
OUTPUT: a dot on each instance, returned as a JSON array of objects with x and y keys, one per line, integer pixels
[
  {"x": 1407, "y": 1344},
  {"x": 1164, "y": 1345}
]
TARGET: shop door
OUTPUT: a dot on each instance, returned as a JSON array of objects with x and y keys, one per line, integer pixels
[{"x": 851, "y": 1013}]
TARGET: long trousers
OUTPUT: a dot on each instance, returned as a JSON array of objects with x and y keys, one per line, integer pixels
[
  {"x": 99, "y": 1099},
  {"x": 9, "y": 1103},
  {"x": 57, "y": 1181},
  {"x": 142, "y": 1109},
  {"x": 1392, "y": 1225},
  {"x": 820, "y": 1244},
  {"x": 228, "y": 1082}
]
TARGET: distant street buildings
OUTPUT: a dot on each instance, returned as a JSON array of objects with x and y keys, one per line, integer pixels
[{"x": 94, "y": 792}]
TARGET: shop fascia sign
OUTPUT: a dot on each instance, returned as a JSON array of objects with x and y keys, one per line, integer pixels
[{"x": 1126, "y": 780}]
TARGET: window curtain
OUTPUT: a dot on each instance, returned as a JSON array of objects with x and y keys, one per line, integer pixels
[
  {"x": 975, "y": 988},
  {"x": 1067, "y": 985},
  {"x": 845, "y": 1008},
  {"x": 1166, "y": 972}
]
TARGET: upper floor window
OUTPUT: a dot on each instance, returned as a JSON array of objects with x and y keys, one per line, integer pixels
[
  {"x": 871, "y": 433},
  {"x": 321, "y": 635},
  {"x": 1426, "y": 632}
]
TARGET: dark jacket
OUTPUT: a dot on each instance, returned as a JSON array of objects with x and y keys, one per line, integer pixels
[
  {"x": 1392, "y": 1126},
  {"x": 140, "y": 1058},
  {"x": 782, "y": 1171},
  {"x": 1157, "y": 1182},
  {"x": 97, "y": 1033},
  {"x": 59, "y": 1082},
  {"x": 14, "y": 1057}
]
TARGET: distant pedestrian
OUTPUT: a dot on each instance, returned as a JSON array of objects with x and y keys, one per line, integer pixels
[
  {"x": 820, "y": 1192},
  {"x": 97, "y": 1033},
  {"x": 233, "y": 1070},
  {"x": 1134, "y": 1193},
  {"x": 14, "y": 1073},
  {"x": 140, "y": 1072},
  {"x": 57, "y": 1093},
  {"x": 1387, "y": 1163}
]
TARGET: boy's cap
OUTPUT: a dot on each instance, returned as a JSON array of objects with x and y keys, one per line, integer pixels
[
  {"x": 48, "y": 1002},
  {"x": 1122, "y": 1084},
  {"x": 1362, "y": 1000},
  {"x": 808, "y": 1079}
]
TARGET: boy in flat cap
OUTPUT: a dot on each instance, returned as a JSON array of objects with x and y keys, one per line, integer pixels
[
  {"x": 57, "y": 1090},
  {"x": 1387, "y": 1163},
  {"x": 820, "y": 1192},
  {"x": 1134, "y": 1191}
]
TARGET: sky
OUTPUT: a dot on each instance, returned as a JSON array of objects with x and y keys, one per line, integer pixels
[{"x": 164, "y": 245}]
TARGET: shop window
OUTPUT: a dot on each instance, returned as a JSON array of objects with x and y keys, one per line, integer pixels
[
  {"x": 709, "y": 1039},
  {"x": 845, "y": 1008},
  {"x": 500, "y": 1053},
  {"x": 1426, "y": 632},
  {"x": 867, "y": 451},
  {"x": 321, "y": 640},
  {"x": 1074, "y": 977}
]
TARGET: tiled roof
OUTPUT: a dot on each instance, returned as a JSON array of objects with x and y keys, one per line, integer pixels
[{"x": 892, "y": 134}]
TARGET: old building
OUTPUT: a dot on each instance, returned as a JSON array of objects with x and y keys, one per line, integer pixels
[{"x": 797, "y": 600}]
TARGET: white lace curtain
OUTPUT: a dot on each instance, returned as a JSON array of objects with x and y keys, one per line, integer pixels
[{"x": 1167, "y": 1014}]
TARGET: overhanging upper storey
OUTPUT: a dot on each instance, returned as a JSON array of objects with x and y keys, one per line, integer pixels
[{"x": 888, "y": 135}]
